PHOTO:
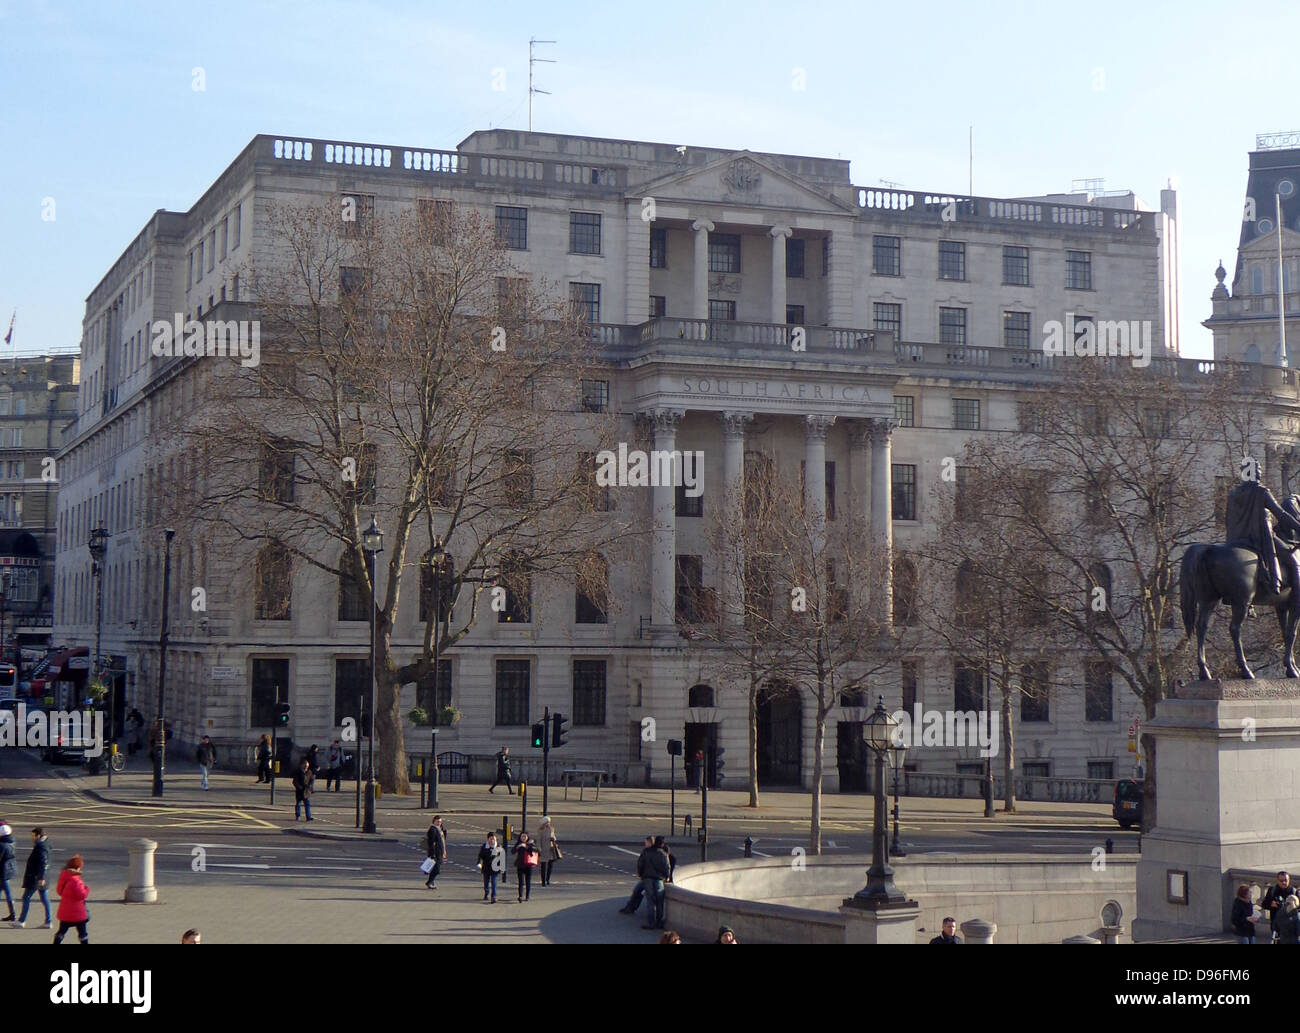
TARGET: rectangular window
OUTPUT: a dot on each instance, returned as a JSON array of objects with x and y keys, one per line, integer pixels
[
  {"x": 1015, "y": 266},
  {"x": 353, "y": 282},
  {"x": 1034, "y": 693},
  {"x": 276, "y": 479},
  {"x": 724, "y": 253},
  {"x": 517, "y": 478},
  {"x": 358, "y": 212},
  {"x": 596, "y": 496},
  {"x": 189, "y": 275},
  {"x": 887, "y": 256},
  {"x": 234, "y": 287},
  {"x": 962, "y": 506},
  {"x": 588, "y": 692},
  {"x": 352, "y": 692},
  {"x": 269, "y": 677},
  {"x": 794, "y": 315},
  {"x": 212, "y": 250},
  {"x": 1037, "y": 769},
  {"x": 424, "y": 690},
  {"x": 687, "y": 505},
  {"x": 903, "y": 483},
  {"x": 888, "y": 316},
  {"x": 967, "y": 689},
  {"x": 911, "y": 683},
  {"x": 658, "y": 249},
  {"x": 1078, "y": 270},
  {"x": 905, "y": 410},
  {"x": 690, "y": 606},
  {"x": 826, "y": 256},
  {"x": 1031, "y": 417},
  {"x": 1015, "y": 329},
  {"x": 595, "y": 395},
  {"x": 952, "y": 260},
  {"x": 225, "y": 234},
  {"x": 585, "y": 298},
  {"x": 239, "y": 218},
  {"x": 952, "y": 326},
  {"x": 966, "y": 413},
  {"x": 584, "y": 233},
  {"x": 830, "y": 491},
  {"x": 1098, "y": 692},
  {"x": 512, "y": 297},
  {"x": 200, "y": 262},
  {"x": 794, "y": 247},
  {"x": 658, "y": 306},
  {"x": 720, "y": 310},
  {"x": 512, "y": 227},
  {"x": 513, "y": 682},
  {"x": 1102, "y": 770}
]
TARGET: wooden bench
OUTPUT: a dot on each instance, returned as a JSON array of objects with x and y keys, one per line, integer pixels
[{"x": 582, "y": 775}]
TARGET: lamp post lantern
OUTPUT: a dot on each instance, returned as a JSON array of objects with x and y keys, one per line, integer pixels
[
  {"x": 880, "y": 890},
  {"x": 98, "y": 546},
  {"x": 372, "y": 543}
]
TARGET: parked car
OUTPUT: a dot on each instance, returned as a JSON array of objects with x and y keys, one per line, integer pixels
[{"x": 1127, "y": 808}]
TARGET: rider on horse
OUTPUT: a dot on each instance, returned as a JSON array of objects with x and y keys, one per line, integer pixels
[{"x": 1248, "y": 524}]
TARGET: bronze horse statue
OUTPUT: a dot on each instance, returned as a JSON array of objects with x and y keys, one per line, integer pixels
[{"x": 1241, "y": 573}]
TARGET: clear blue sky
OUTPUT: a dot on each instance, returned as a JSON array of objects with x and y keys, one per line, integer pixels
[{"x": 98, "y": 110}]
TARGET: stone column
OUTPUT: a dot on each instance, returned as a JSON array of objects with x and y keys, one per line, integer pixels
[
  {"x": 780, "y": 234},
  {"x": 733, "y": 482},
  {"x": 663, "y": 552},
  {"x": 882, "y": 525},
  {"x": 140, "y": 888},
  {"x": 815, "y": 429},
  {"x": 700, "y": 270},
  {"x": 976, "y": 930}
]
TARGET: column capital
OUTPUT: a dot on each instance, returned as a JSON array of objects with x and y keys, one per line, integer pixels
[
  {"x": 733, "y": 425},
  {"x": 859, "y": 432},
  {"x": 816, "y": 427},
  {"x": 662, "y": 421},
  {"x": 780, "y": 231},
  {"x": 881, "y": 431},
  {"x": 702, "y": 224}
]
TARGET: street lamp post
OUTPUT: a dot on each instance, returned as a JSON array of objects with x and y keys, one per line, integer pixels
[
  {"x": 98, "y": 546},
  {"x": 372, "y": 543},
  {"x": 880, "y": 890},
  {"x": 159, "y": 765},
  {"x": 437, "y": 641},
  {"x": 5, "y": 577},
  {"x": 896, "y": 753}
]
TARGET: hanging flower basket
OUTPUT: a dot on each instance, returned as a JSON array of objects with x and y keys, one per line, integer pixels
[
  {"x": 418, "y": 716},
  {"x": 449, "y": 716}
]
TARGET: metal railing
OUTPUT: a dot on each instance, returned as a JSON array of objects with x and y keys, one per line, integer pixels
[{"x": 1050, "y": 789}]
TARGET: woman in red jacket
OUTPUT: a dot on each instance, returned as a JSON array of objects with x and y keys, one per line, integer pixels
[{"x": 72, "y": 901}]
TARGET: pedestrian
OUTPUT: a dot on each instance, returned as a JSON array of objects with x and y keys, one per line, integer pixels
[
  {"x": 8, "y": 865},
  {"x": 638, "y": 891},
  {"x": 503, "y": 771},
  {"x": 191, "y": 936},
  {"x": 548, "y": 848},
  {"x": 157, "y": 740},
  {"x": 206, "y": 755},
  {"x": 656, "y": 874},
  {"x": 436, "y": 849},
  {"x": 672, "y": 861},
  {"x": 525, "y": 862},
  {"x": 1242, "y": 910},
  {"x": 670, "y": 937},
  {"x": 949, "y": 934},
  {"x": 491, "y": 862},
  {"x": 1286, "y": 920},
  {"x": 264, "y": 759},
  {"x": 313, "y": 758},
  {"x": 725, "y": 935},
  {"x": 34, "y": 877},
  {"x": 72, "y": 901},
  {"x": 303, "y": 779},
  {"x": 137, "y": 731},
  {"x": 334, "y": 766}
]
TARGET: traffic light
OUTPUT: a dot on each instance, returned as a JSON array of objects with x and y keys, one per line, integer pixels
[
  {"x": 539, "y": 736},
  {"x": 282, "y": 714},
  {"x": 559, "y": 729},
  {"x": 674, "y": 747},
  {"x": 715, "y": 757}
]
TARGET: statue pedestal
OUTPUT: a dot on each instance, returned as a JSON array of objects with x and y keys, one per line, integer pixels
[{"x": 1227, "y": 796}]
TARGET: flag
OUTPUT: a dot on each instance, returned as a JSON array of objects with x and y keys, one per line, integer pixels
[{"x": 10, "y": 334}]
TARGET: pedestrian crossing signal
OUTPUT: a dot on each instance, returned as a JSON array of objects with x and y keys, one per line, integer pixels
[
  {"x": 539, "y": 736},
  {"x": 559, "y": 730},
  {"x": 282, "y": 714}
]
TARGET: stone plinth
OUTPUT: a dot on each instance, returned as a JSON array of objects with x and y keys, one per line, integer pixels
[
  {"x": 896, "y": 924},
  {"x": 1228, "y": 796}
]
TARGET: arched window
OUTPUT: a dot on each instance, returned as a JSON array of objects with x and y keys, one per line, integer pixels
[
  {"x": 905, "y": 590},
  {"x": 273, "y": 583},
  {"x": 591, "y": 596},
  {"x": 1256, "y": 280},
  {"x": 446, "y": 585},
  {"x": 700, "y": 696},
  {"x": 353, "y": 597}
]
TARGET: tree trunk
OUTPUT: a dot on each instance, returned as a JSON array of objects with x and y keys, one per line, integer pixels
[
  {"x": 1008, "y": 755},
  {"x": 753, "y": 744},
  {"x": 390, "y": 758},
  {"x": 819, "y": 746}
]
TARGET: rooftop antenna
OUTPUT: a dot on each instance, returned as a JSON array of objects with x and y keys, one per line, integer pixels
[
  {"x": 531, "y": 88},
  {"x": 891, "y": 184},
  {"x": 970, "y": 144}
]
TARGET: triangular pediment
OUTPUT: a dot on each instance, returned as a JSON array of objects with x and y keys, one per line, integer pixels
[
  {"x": 744, "y": 179},
  {"x": 1265, "y": 245}
]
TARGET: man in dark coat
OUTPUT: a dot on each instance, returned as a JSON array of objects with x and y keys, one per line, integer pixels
[
  {"x": 206, "y": 755},
  {"x": 657, "y": 871},
  {"x": 436, "y": 847},
  {"x": 303, "y": 780},
  {"x": 949, "y": 934},
  {"x": 1247, "y": 518},
  {"x": 503, "y": 771},
  {"x": 638, "y": 890},
  {"x": 34, "y": 877},
  {"x": 1276, "y": 895}
]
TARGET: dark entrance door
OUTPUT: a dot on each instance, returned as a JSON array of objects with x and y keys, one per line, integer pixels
[
  {"x": 780, "y": 740},
  {"x": 852, "y": 751},
  {"x": 698, "y": 738}
]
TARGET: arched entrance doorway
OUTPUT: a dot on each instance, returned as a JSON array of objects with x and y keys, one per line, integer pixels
[{"x": 701, "y": 730}]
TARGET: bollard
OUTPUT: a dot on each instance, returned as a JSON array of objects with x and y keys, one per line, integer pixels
[
  {"x": 1081, "y": 939},
  {"x": 749, "y": 847},
  {"x": 1111, "y": 933},
  {"x": 1110, "y": 845},
  {"x": 686, "y": 825},
  {"x": 976, "y": 930},
  {"x": 139, "y": 886}
]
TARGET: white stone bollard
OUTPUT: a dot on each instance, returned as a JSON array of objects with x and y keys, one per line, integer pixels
[
  {"x": 976, "y": 930},
  {"x": 139, "y": 887},
  {"x": 1081, "y": 939}
]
